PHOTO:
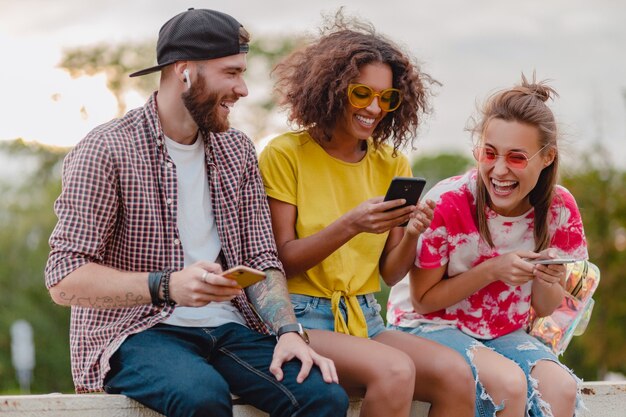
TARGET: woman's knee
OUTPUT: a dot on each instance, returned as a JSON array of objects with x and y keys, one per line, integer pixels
[
  {"x": 457, "y": 375},
  {"x": 567, "y": 388},
  {"x": 447, "y": 367},
  {"x": 501, "y": 378},
  {"x": 554, "y": 382},
  {"x": 509, "y": 383},
  {"x": 565, "y": 392},
  {"x": 445, "y": 375},
  {"x": 401, "y": 369},
  {"x": 395, "y": 375}
]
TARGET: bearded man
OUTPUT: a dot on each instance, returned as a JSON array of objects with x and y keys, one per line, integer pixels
[{"x": 154, "y": 206}]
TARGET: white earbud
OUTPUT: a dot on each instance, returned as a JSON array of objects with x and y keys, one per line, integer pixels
[{"x": 187, "y": 79}]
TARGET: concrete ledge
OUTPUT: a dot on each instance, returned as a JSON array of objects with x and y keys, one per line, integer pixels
[
  {"x": 105, "y": 405},
  {"x": 603, "y": 399}
]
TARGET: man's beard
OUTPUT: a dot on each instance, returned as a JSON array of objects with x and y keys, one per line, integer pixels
[{"x": 205, "y": 111}]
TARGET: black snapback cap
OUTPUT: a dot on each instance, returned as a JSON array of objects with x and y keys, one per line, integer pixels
[{"x": 196, "y": 35}]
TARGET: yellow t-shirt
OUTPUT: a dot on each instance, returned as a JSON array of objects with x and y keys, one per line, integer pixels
[{"x": 298, "y": 171}]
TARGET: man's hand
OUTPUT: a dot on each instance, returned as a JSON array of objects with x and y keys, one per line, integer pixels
[
  {"x": 200, "y": 283},
  {"x": 290, "y": 346}
]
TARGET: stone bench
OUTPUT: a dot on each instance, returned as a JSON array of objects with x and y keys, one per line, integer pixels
[{"x": 603, "y": 399}]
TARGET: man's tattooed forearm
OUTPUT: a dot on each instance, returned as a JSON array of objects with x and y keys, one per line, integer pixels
[
  {"x": 103, "y": 302},
  {"x": 271, "y": 300}
]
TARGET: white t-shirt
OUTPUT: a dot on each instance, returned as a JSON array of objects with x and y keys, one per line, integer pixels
[{"x": 197, "y": 231}]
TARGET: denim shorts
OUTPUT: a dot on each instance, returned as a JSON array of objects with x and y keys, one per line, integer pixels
[
  {"x": 518, "y": 346},
  {"x": 316, "y": 313}
]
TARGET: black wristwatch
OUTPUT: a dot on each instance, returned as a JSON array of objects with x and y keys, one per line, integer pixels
[{"x": 293, "y": 328}]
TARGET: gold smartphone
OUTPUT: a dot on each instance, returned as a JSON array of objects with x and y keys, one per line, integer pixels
[{"x": 244, "y": 275}]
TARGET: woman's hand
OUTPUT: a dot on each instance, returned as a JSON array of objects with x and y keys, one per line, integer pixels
[
  {"x": 399, "y": 253},
  {"x": 420, "y": 218},
  {"x": 550, "y": 275},
  {"x": 548, "y": 287},
  {"x": 372, "y": 216},
  {"x": 512, "y": 268}
]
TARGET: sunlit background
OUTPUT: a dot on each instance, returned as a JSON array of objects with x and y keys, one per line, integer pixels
[{"x": 472, "y": 47}]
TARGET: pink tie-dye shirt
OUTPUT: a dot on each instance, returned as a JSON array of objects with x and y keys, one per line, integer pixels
[{"x": 453, "y": 239}]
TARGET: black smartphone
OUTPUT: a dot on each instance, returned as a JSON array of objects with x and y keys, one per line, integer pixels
[{"x": 409, "y": 188}]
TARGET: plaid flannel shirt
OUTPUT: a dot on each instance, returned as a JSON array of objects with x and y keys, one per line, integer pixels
[{"x": 118, "y": 208}]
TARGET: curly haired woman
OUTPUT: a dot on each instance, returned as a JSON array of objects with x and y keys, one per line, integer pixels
[{"x": 356, "y": 99}]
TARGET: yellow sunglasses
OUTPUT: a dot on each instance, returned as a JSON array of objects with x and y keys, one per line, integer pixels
[{"x": 361, "y": 96}]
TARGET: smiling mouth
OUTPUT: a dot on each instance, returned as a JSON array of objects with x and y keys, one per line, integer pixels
[
  {"x": 367, "y": 121},
  {"x": 227, "y": 104},
  {"x": 503, "y": 187}
]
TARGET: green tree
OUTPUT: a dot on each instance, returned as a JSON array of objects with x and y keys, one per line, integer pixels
[
  {"x": 26, "y": 221},
  {"x": 116, "y": 61},
  {"x": 259, "y": 108},
  {"x": 440, "y": 166},
  {"x": 599, "y": 191}
]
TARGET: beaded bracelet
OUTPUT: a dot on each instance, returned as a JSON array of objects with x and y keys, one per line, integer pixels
[{"x": 166, "y": 287}]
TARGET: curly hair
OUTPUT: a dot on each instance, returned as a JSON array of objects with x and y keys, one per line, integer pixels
[
  {"x": 311, "y": 82},
  {"x": 523, "y": 103}
]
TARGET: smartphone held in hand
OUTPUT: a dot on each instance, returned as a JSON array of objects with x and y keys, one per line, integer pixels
[
  {"x": 409, "y": 188},
  {"x": 555, "y": 261},
  {"x": 244, "y": 275}
]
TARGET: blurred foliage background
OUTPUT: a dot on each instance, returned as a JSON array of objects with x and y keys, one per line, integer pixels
[{"x": 29, "y": 191}]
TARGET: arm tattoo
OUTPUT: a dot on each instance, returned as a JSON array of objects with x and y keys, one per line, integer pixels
[
  {"x": 270, "y": 298},
  {"x": 103, "y": 302}
]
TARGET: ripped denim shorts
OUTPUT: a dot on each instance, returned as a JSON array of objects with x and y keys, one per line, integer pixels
[{"x": 518, "y": 346}]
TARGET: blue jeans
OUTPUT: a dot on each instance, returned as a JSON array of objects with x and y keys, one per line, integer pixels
[
  {"x": 191, "y": 371},
  {"x": 518, "y": 346},
  {"x": 316, "y": 312}
]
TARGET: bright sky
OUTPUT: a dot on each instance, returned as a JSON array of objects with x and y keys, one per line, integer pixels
[{"x": 472, "y": 47}]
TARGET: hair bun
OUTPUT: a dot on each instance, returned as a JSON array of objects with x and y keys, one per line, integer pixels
[{"x": 539, "y": 89}]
